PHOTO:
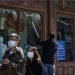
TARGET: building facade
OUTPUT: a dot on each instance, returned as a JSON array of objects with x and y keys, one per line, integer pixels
[{"x": 32, "y": 18}]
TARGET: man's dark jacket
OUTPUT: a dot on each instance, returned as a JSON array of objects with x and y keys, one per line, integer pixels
[{"x": 49, "y": 48}]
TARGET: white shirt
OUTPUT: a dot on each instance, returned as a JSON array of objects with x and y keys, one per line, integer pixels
[{"x": 21, "y": 50}]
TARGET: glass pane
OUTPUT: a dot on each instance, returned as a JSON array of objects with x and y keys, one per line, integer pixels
[
  {"x": 65, "y": 34},
  {"x": 65, "y": 3},
  {"x": 69, "y": 3},
  {"x": 31, "y": 24},
  {"x": 8, "y": 20}
]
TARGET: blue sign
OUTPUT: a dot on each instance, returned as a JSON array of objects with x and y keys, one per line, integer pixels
[{"x": 61, "y": 50}]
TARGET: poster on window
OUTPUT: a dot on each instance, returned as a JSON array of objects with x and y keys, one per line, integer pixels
[{"x": 61, "y": 50}]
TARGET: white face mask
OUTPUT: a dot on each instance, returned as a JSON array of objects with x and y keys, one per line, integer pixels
[
  {"x": 11, "y": 44},
  {"x": 30, "y": 55}
]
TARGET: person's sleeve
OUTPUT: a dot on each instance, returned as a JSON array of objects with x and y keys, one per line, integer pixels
[
  {"x": 40, "y": 42},
  {"x": 20, "y": 58},
  {"x": 13, "y": 64},
  {"x": 5, "y": 54},
  {"x": 22, "y": 53},
  {"x": 41, "y": 68},
  {"x": 40, "y": 63}
]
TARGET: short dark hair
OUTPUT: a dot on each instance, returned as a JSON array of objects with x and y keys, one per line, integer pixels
[{"x": 51, "y": 35}]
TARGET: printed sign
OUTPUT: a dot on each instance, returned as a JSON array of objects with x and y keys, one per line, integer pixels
[{"x": 61, "y": 50}]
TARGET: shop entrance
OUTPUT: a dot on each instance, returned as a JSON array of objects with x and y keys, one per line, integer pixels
[{"x": 65, "y": 36}]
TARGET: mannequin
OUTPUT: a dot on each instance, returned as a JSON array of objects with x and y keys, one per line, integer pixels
[{"x": 3, "y": 48}]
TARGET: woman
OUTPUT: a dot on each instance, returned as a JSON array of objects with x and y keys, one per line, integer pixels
[
  {"x": 33, "y": 66},
  {"x": 18, "y": 47},
  {"x": 15, "y": 37}
]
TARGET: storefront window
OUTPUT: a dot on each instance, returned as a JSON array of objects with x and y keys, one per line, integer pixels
[
  {"x": 66, "y": 3},
  {"x": 32, "y": 28},
  {"x": 65, "y": 34},
  {"x": 28, "y": 24},
  {"x": 8, "y": 19}
]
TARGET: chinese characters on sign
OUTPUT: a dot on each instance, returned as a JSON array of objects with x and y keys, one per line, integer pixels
[{"x": 61, "y": 50}]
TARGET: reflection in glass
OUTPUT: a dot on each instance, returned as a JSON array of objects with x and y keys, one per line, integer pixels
[
  {"x": 28, "y": 35},
  {"x": 65, "y": 33},
  {"x": 8, "y": 19},
  {"x": 10, "y": 22}
]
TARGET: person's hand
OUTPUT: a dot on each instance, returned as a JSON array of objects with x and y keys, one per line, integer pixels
[
  {"x": 38, "y": 59},
  {"x": 5, "y": 61},
  {"x": 38, "y": 38}
]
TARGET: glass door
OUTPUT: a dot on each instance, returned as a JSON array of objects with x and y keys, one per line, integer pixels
[{"x": 65, "y": 31}]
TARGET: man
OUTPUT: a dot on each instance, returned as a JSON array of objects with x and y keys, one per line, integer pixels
[{"x": 49, "y": 48}]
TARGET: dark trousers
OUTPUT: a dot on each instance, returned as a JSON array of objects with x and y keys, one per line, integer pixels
[{"x": 49, "y": 69}]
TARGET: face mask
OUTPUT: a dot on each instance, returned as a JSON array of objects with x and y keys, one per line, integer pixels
[
  {"x": 30, "y": 55},
  {"x": 11, "y": 44}
]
